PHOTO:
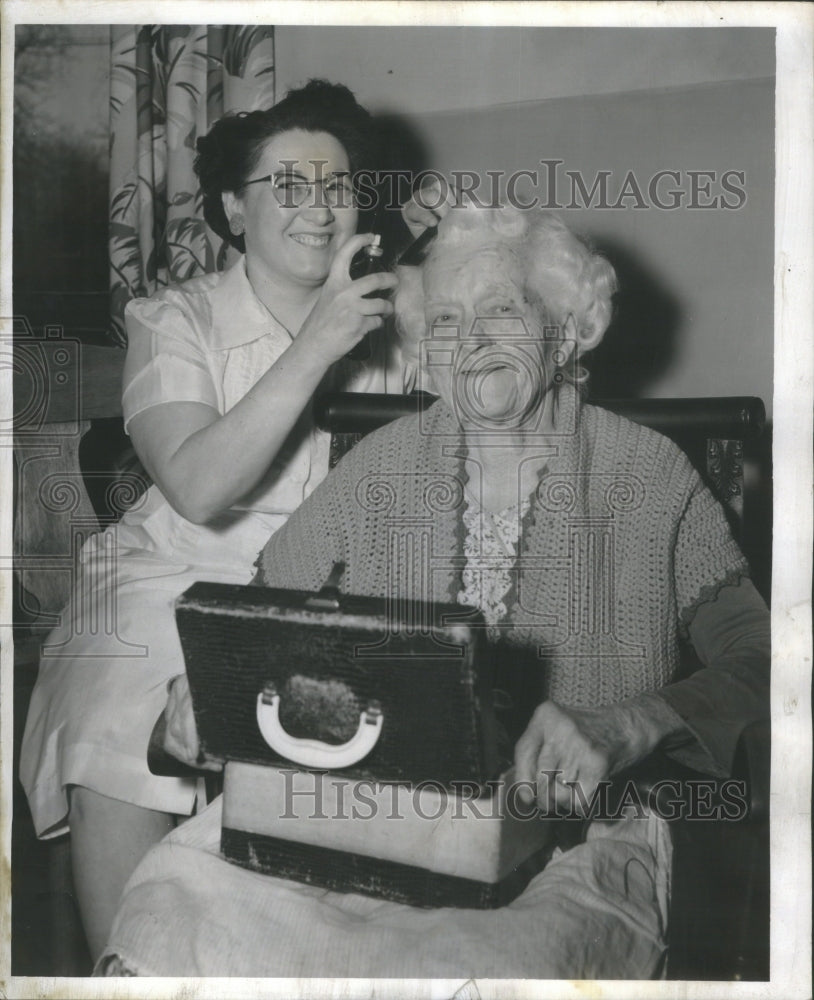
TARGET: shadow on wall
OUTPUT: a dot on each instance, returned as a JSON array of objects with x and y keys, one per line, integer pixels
[
  {"x": 639, "y": 345},
  {"x": 402, "y": 155},
  {"x": 638, "y": 348}
]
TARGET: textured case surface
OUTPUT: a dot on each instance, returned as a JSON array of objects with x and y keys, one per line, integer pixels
[
  {"x": 342, "y": 871},
  {"x": 430, "y": 679}
]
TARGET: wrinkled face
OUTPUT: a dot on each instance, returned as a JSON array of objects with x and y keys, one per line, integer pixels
[
  {"x": 289, "y": 242},
  {"x": 486, "y": 352}
]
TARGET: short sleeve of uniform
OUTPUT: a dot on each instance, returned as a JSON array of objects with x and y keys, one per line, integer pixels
[{"x": 166, "y": 360}]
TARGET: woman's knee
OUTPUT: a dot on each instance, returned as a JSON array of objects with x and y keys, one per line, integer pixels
[
  {"x": 81, "y": 803},
  {"x": 85, "y": 805},
  {"x": 88, "y": 808}
]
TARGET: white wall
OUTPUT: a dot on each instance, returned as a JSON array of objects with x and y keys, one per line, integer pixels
[
  {"x": 698, "y": 314},
  {"x": 423, "y": 70},
  {"x": 697, "y": 283}
]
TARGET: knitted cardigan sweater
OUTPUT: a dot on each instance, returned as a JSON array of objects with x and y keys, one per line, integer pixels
[{"x": 621, "y": 544}]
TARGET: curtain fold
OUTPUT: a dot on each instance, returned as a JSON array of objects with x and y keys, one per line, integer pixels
[{"x": 168, "y": 85}]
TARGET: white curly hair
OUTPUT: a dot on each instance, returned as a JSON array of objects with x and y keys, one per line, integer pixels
[{"x": 562, "y": 274}]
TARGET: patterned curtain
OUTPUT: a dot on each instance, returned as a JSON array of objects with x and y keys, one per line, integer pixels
[{"x": 168, "y": 85}]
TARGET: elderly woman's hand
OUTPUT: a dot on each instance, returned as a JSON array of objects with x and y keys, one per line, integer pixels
[
  {"x": 181, "y": 735},
  {"x": 587, "y": 746},
  {"x": 428, "y": 205}
]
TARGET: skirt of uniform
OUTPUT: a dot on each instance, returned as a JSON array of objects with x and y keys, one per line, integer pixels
[{"x": 103, "y": 674}]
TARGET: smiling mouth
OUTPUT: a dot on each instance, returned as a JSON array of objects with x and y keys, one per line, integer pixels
[
  {"x": 486, "y": 368},
  {"x": 484, "y": 360},
  {"x": 309, "y": 240}
]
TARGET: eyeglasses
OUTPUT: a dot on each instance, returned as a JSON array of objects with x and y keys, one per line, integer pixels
[{"x": 291, "y": 191}]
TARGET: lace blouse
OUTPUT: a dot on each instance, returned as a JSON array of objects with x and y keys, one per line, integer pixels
[{"x": 490, "y": 548}]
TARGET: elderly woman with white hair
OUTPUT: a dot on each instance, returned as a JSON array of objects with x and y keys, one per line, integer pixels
[{"x": 590, "y": 545}]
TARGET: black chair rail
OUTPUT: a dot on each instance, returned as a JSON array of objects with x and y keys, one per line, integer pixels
[{"x": 741, "y": 417}]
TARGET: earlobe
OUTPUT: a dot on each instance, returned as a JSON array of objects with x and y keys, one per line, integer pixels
[
  {"x": 233, "y": 207},
  {"x": 595, "y": 321},
  {"x": 230, "y": 202},
  {"x": 570, "y": 338}
]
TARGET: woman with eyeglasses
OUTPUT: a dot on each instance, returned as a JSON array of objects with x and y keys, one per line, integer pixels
[{"x": 218, "y": 382}]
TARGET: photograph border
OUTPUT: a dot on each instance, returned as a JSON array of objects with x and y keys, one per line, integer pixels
[{"x": 792, "y": 470}]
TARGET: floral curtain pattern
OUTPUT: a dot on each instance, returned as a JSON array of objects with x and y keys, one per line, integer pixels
[{"x": 168, "y": 85}]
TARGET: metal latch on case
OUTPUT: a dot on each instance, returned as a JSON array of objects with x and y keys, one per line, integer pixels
[
  {"x": 315, "y": 753},
  {"x": 328, "y": 597}
]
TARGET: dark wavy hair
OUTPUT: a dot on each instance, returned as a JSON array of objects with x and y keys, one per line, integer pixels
[{"x": 229, "y": 153}]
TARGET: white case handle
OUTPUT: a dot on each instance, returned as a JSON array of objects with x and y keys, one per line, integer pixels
[{"x": 315, "y": 753}]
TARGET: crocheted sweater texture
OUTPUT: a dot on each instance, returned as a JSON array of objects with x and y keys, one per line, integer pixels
[{"x": 620, "y": 544}]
